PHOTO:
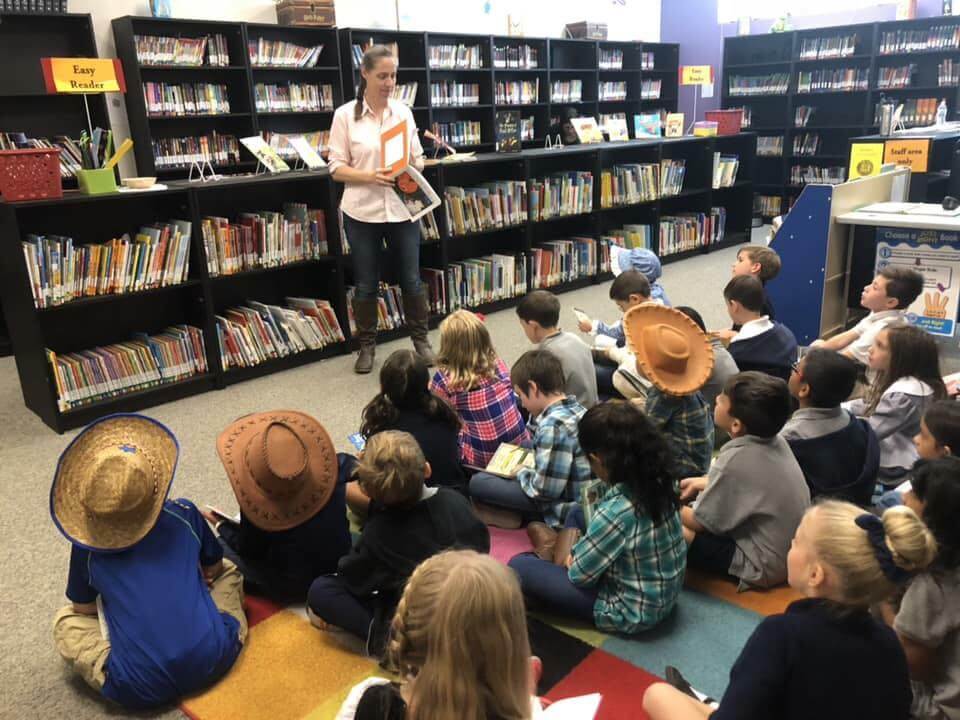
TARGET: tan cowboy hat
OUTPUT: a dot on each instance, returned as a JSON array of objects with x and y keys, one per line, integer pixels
[
  {"x": 112, "y": 480},
  {"x": 671, "y": 349},
  {"x": 282, "y": 466}
]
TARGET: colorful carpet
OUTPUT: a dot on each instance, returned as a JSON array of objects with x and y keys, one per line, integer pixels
[{"x": 289, "y": 671}]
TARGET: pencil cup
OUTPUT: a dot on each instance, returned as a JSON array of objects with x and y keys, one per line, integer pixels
[{"x": 96, "y": 182}]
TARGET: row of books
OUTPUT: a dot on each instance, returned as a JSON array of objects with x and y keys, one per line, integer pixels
[
  {"x": 629, "y": 184},
  {"x": 938, "y": 37},
  {"x": 280, "y": 53},
  {"x": 493, "y": 205},
  {"x": 725, "y": 170},
  {"x": 143, "y": 362},
  {"x": 689, "y": 231},
  {"x": 293, "y": 97},
  {"x": 70, "y": 156},
  {"x": 516, "y": 56},
  {"x": 948, "y": 73},
  {"x": 566, "y": 91},
  {"x": 917, "y": 112},
  {"x": 836, "y": 46},
  {"x": 280, "y": 142},
  {"x": 185, "y": 98},
  {"x": 517, "y": 92},
  {"x": 610, "y": 59},
  {"x": 831, "y": 79},
  {"x": 770, "y": 146},
  {"x": 406, "y": 93},
  {"x": 209, "y": 50},
  {"x": 629, "y": 236},
  {"x": 613, "y": 91},
  {"x": 215, "y": 147},
  {"x": 456, "y": 57},
  {"x": 561, "y": 193},
  {"x": 461, "y": 132},
  {"x": 264, "y": 239},
  {"x": 560, "y": 261},
  {"x": 473, "y": 282},
  {"x": 650, "y": 89},
  {"x": 452, "y": 93},
  {"x": 671, "y": 177},
  {"x": 802, "y": 115},
  {"x": 33, "y": 6},
  {"x": 806, "y": 143},
  {"x": 428, "y": 227},
  {"x": 357, "y": 50},
  {"x": 647, "y": 61},
  {"x": 804, "y": 174},
  {"x": 767, "y": 205},
  {"x": 60, "y": 272},
  {"x": 257, "y": 332},
  {"x": 771, "y": 84},
  {"x": 895, "y": 77},
  {"x": 390, "y": 313}
]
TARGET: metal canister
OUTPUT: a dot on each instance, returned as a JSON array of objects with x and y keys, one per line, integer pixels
[{"x": 885, "y": 111}]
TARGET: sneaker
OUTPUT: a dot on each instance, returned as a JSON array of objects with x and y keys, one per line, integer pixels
[{"x": 678, "y": 681}]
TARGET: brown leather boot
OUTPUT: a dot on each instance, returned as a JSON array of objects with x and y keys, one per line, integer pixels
[
  {"x": 366, "y": 317},
  {"x": 544, "y": 538},
  {"x": 416, "y": 311},
  {"x": 566, "y": 539}
]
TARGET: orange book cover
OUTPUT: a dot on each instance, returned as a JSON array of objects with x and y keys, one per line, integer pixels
[{"x": 394, "y": 148}]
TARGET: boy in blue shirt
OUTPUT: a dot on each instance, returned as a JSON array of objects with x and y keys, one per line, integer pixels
[{"x": 155, "y": 611}]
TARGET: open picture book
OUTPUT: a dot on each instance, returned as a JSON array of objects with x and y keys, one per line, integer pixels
[{"x": 508, "y": 461}]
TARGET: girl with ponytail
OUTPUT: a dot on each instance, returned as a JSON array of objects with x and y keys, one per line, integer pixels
[{"x": 826, "y": 657}]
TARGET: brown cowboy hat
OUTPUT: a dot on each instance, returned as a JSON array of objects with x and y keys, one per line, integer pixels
[
  {"x": 112, "y": 480},
  {"x": 671, "y": 349},
  {"x": 282, "y": 466}
]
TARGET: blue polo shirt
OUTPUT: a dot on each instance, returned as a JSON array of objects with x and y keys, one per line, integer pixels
[{"x": 167, "y": 637}]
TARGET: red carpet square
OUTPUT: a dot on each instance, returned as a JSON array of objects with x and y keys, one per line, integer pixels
[{"x": 621, "y": 684}]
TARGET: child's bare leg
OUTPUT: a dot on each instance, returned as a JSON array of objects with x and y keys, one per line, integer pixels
[{"x": 664, "y": 702}]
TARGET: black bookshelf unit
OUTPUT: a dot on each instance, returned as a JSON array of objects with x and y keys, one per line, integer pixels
[{"x": 833, "y": 117}]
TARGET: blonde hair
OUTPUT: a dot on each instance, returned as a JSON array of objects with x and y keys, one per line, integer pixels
[
  {"x": 461, "y": 631},
  {"x": 845, "y": 546},
  {"x": 392, "y": 468},
  {"x": 466, "y": 354}
]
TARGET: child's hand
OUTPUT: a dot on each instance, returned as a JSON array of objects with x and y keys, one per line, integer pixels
[
  {"x": 585, "y": 325},
  {"x": 725, "y": 335},
  {"x": 210, "y": 517},
  {"x": 211, "y": 572},
  {"x": 691, "y": 487}
]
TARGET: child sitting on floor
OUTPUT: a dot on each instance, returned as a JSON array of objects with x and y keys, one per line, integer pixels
[
  {"x": 826, "y": 657},
  {"x": 763, "y": 263},
  {"x": 408, "y": 522},
  {"x": 761, "y": 344},
  {"x": 641, "y": 260},
  {"x": 907, "y": 366},
  {"x": 838, "y": 453},
  {"x": 289, "y": 484},
  {"x": 750, "y": 503},
  {"x": 155, "y": 613},
  {"x": 552, "y": 486},
  {"x": 724, "y": 366},
  {"x": 476, "y": 383},
  {"x": 539, "y": 313},
  {"x": 626, "y": 573},
  {"x": 928, "y": 618}
]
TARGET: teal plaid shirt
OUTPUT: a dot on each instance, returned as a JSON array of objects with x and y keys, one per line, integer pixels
[
  {"x": 687, "y": 423},
  {"x": 639, "y": 566}
]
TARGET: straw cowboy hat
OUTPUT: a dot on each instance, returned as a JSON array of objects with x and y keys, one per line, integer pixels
[
  {"x": 282, "y": 466},
  {"x": 112, "y": 480},
  {"x": 672, "y": 351}
]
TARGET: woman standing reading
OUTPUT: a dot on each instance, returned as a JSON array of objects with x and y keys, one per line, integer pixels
[{"x": 372, "y": 211}]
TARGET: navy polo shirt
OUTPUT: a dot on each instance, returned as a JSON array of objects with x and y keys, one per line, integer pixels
[
  {"x": 167, "y": 637},
  {"x": 812, "y": 662}
]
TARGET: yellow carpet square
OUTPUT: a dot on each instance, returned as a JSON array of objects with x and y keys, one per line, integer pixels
[{"x": 587, "y": 633}]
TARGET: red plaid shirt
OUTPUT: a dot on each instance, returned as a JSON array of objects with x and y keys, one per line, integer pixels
[{"x": 489, "y": 413}]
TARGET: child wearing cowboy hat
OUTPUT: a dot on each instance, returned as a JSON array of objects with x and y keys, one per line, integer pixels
[{"x": 155, "y": 613}]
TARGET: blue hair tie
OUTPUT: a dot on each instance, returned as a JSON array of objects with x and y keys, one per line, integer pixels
[{"x": 878, "y": 539}]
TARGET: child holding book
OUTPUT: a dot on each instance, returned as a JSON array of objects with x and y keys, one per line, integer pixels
[
  {"x": 644, "y": 261},
  {"x": 826, "y": 657},
  {"x": 552, "y": 486},
  {"x": 750, "y": 503},
  {"x": 761, "y": 343},
  {"x": 476, "y": 384},
  {"x": 408, "y": 522},
  {"x": 626, "y": 572},
  {"x": 156, "y": 613}
]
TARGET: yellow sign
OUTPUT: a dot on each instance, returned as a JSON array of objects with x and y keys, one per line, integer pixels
[
  {"x": 914, "y": 154},
  {"x": 865, "y": 160},
  {"x": 696, "y": 74},
  {"x": 83, "y": 75}
]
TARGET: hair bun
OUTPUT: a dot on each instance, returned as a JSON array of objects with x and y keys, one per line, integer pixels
[{"x": 910, "y": 541}]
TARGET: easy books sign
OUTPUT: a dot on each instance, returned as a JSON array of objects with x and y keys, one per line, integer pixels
[{"x": 83, "y": 75}]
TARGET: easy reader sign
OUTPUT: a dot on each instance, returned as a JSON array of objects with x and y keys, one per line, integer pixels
[
  {"x": 83, "y": 75},
  {"x": 696, "y": 74}
]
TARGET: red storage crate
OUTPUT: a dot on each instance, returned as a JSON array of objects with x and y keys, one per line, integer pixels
[
  {"x": 32, "y": 174},
  {"x": 728, "y": 121}
]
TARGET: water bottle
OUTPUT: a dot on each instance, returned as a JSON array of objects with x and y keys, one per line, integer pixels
[{"x": 942, "y": 112}]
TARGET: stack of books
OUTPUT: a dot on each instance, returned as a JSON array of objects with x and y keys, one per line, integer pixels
[
  {"x": 611, "y": 59},
  {"x": 614, "y": 91},
  {"x": 802, "y": 115},
  {"x": 690, "y": 231},
  {"x": 804, "y": 174},
  {"x": 917, "y": 112},
  {"x": 566, "y": 91},
  {"x": 454, "y": 94},
  {"x": 517, "y": 92},
  {"x": 515, "y": 56},
  {"x": 455, "y": 57},
  {"x": 428, "y": 227},
  {"x": 264, "y": 239},
  {"x": 70, "y": 155},
  {"x": 462, "y": 132},
  {"x": 143, "y": 362},
  {"x": 649, "y": 89},
  {"x": 948, "y": 73},
  {"x": 406, "y": 93},
  {"x": 820, "y": 48},
  {"x": 805, "y": 144},
  {"x": 767, "y": 205},
  {"x": 770, "y": 146},
  {"x": 390, "y": 313},
  {"x": 475, "y": 281},
  {"x": 493, "y": 205},
  {"x": 671, "y": 177},
  {"x": 435, "y": 283},
  {"x": 188, "y": 52},
  {"x": 833, "y": 80},
  {"x": 358, "y": 50},
  {"x": 218, "y": 149},
  {"x": 939, "y": 37},
  {"x": 647, "y": 61},
  {"x": 292, "y": 97},
  {"x": 772, "y": 84},
  {"x": 59, "y": 271},
  {"x": 630, "y": 237},
  {"x": 257, "y": 332},
  {"x": 280, "y": 142},
  {"x": 279, "y": 53},
  {"x": 895, "y": 77},
  {"x": 629, "y": 184},
  {"x": 181, "y": 99},
  {"x": 562, "y": 193},
  {"x": 725, "y": 170},
  {"x": 560, "y": 261}
]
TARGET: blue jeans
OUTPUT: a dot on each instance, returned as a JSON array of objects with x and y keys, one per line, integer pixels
[
  {"x": 502, "y": 492},
  {"x": 549, "y": 585},
  {"x": 891, "y": 498},
  {"x": 403, "y": 248}
]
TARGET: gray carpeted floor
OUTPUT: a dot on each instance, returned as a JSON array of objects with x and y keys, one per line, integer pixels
[{"x": 34, "y": 556}]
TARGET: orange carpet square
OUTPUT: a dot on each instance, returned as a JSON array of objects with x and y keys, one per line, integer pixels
[{"x": 762, "y": 602}]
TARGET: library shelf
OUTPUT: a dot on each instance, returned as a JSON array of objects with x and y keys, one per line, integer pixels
[
  {"x": 236, "y": 375},
  {"x": 560, "y": 218},
  {"x": 818, "y": 156},
  {"x": 294, "y": 113},
  {"x": 205, "y": 116},
  {"x": 611, "y": 208},
  {"x": 191, "y": 68},
  {"x": 488, "y": 231},
  {"x": 97, "y": 300},
  {"x": 286, "y": 68},
  {"x": 808, "y": 61},
  {"x": 273, "y": 269},
  {"x": 770, "y": 63}
]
